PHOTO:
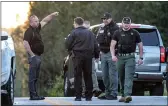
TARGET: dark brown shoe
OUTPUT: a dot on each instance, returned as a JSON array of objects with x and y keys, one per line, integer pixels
[
  {"x": 122, "y": 99},
  {"x": 128, "y": 99},
  {"x": 97, "y": 93}
]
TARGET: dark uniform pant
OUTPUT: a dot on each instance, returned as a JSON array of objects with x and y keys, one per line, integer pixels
[
  {"x": 34, "y": 69},
  {"x": 83, "y": 65},
  {"x": 94, "y": 79},
  {"x": 126, "y": 68}
]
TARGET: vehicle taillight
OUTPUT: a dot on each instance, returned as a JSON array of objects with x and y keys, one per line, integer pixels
[{"x": 162, "y": 54}]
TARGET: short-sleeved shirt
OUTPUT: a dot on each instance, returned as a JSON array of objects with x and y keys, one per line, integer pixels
[
  {"x": 126, "y": 40},
  {"x": 33, "y": 37}
]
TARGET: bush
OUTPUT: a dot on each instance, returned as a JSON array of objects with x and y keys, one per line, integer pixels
[{"x": 57, "y": 90}]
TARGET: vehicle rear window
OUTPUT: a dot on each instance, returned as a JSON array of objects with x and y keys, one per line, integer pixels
[{"x": 149, "y": 37}]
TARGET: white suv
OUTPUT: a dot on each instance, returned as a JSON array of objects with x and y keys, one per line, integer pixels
[{"x": 8, "y": 69}]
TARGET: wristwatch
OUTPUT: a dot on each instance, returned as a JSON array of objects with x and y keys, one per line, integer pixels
[{"x": 141, "y": 58}]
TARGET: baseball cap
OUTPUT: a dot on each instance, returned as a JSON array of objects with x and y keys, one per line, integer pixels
[
  {"x": 126, "y": 20},
  {"x": 106, "y": 16}
]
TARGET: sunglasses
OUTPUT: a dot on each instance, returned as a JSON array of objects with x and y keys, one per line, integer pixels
[{"x": 105, "y": 18}]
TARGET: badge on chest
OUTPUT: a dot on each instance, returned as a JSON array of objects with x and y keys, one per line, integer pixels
[
  {"x": 108, "y": 33},
  {"x": 122, "y": 34},
  {"x": 101, "y": 31}
]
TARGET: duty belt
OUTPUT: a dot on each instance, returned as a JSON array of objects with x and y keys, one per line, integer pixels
[{"x": 125, "y": 54}]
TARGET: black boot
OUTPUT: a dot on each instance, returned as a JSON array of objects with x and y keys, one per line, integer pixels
[
  {"x": 37, "y": 98},
  {"x": 88, "y": 99},
  {"x": 78, "y": 99}
]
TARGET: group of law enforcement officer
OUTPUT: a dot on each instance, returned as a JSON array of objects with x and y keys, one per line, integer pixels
[{"x": 117, "y": 47}]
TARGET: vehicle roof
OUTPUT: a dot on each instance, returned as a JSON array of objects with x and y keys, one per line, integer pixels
[
  {"x": 133, "y": 25},
  {"x": 4, "y": 33}
]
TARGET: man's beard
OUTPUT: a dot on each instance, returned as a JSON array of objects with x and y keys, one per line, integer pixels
[{"x": 126, "y": 29}]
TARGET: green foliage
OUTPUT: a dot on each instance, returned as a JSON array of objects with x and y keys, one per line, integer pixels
[
  {"x": 56, "y": 89},
  {"x": 53, "y": 34}
]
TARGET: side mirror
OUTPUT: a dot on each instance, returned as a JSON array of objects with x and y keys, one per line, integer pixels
[{"x": 4, "y": 38}]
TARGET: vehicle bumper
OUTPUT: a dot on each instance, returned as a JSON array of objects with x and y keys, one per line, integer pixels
[
  {"x": 4, "y": 92},
  {"x": 140, "y": 76}
]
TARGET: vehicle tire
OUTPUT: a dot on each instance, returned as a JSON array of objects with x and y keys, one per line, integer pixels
[
  {"x": 101, "y": 85},
  {"x": 119, "y": 88},
  {"x": 167, "y": 79},
  {"x": 8, "y": 99},
  {"x": 157, "y": 90},
  {"x": 11, "y": 89},
  {"x": 68, "y": 92},
  {"x": 137, "y": 90}
]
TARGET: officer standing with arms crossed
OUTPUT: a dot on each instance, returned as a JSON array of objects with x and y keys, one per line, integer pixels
[
  {"x": 125, "y": 39},
  {"x": 108, "y": 67},
  {"x": 82, "y": 43}
]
